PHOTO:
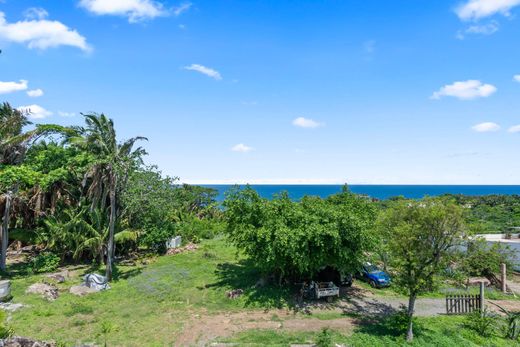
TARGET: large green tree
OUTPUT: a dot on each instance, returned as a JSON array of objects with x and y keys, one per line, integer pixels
[
  {"x": 421, "y": 237},
  {"x": 297, "y": 239},
  {"x": 107, "y": 176}
]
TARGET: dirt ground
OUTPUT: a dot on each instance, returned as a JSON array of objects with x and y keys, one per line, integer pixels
[{"x": 201, "y": 329}]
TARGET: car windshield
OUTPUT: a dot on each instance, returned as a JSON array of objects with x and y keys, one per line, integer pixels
[{"x": 371, "y": 268}]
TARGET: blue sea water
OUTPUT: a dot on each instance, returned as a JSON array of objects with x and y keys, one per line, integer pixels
[{"x": 296, "y": 192}]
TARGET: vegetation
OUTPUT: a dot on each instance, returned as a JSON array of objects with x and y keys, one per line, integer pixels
[
  {"x": 421, "y": 237},
  {"x": 82, "y": 198},
  {"x": 78, "y": 192},
  {"x": 297, "y": 239}
]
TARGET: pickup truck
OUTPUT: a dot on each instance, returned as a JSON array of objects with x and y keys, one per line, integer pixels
[{"x": 318, "y": 290}]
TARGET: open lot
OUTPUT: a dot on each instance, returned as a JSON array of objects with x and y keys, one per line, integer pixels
[{"x": 182, "y": 300}]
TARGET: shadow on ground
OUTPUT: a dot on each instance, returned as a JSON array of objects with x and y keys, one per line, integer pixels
[{"x": 243, "y": 275}]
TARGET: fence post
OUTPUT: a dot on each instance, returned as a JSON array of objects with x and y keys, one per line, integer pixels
[
  {"x": 503, "y": 278},
  {"x": 481, "y": 297}
]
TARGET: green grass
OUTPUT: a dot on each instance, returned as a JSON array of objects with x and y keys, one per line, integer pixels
[
  {"x": 146, "y": 305},
  {"x": 149, "y": 305},
  {"x": 441, "y": 331}
]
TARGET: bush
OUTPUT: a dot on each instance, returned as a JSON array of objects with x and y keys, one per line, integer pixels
[
  {"x": 324, "y": 338},
  {"x": 482, "y": 322},
  {"x": 5, "y": 331},
  {"x": 155, "y": 237},
  {"x": 397, "y": 323},
  {"x": 195, "y": 229},
  {"x": 45, "y": 262}
]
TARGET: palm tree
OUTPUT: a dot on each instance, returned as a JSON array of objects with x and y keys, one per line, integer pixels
[
  {"x": 107, "y": 177},
  {"x": 13, "y": 146}
]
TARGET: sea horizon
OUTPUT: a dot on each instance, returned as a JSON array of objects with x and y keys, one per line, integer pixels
[{"x": 377, "y": 191}]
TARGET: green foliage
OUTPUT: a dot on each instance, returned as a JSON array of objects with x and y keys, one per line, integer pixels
[
  {"x": 45, "y": 262},
  {"x": 324, "y": 338},
  {"x": 490, "y": 213},
  {"x": 421, "y": 237},
  {"x": 5, "y": 330},
  {"x": 155, "y": 237},
  {"x": 512, "y": 323},
  {"x": 298, "y": 238},
  {"x": 481, "y": 259},
  {"x": 397, "y": 322},
  {"x": 195, "y": 229},
  {"x": 483, "y": 322}
]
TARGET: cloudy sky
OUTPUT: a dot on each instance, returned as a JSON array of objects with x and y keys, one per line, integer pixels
[{"x": 272, "y": 91}]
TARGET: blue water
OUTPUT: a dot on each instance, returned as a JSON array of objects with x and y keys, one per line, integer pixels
[{"x": 296, "y": 192}]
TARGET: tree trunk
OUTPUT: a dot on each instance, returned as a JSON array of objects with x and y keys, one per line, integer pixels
[
  {"x": 112, "y": 225},
  {"x": 5, "y": 231},
  {"x": 411, "y": 307}
]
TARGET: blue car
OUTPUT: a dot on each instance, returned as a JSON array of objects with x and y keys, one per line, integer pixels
[{"x": 376, "y": 277}]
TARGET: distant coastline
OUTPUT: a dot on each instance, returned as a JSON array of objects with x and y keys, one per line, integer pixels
[{"x": 378, "y": 191}]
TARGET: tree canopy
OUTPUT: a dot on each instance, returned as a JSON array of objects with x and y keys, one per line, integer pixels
[{"x": 297, "y": 239}]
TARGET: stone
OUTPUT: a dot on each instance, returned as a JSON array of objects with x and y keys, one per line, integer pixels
[
  {"x": 10, "y": 307},
  {"x": 46, "y": 290},
  {"x": 18, "y": 341},
  {"x": 82, "y": 290},
  {"x": 5, "y": 290},
  {"x": 57, "y": 277}
]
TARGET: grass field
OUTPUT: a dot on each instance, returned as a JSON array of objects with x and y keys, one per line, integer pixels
[
  {"x": 442, "y": 331},
  {"x": 150, "y": 305}
]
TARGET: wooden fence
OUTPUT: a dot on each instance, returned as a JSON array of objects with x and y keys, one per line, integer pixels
[{"x": 462, "y": 304}]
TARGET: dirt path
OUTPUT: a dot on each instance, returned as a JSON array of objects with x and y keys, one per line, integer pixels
[
  {"x": 202, "y": 329},
  {"x": 199, "y": 331}
]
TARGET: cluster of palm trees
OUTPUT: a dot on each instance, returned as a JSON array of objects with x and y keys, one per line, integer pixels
[{"x": 101, "y": 186}]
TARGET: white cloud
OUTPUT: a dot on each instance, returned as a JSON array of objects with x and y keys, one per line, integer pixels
[
  {"x": 516, "y": 78},
  {"x": 306, "y": 123},
  {"x": 479, "y": 29},
  {"x": 135, "y": 10},
  {"x": 477, "y": 9},
  {"x": 36, "y": 13},
  {"x": 514, "y": 129},
  {"x": 35, "y": 93},
  {"x": 182, "y": 8},
  {"x": 10, "y": 87},
  {"x": 41, "y": 33},
  {"x": 35, "y": 111},
  {"x": 241, "y": 148},
  {"x": 204, "y": 70},
  {"x": 465, "y": 90},
  {"x": 66, "y": 114},
  {"x": 486, "y": 127}
]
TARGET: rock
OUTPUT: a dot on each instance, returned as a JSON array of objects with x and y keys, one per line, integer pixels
[
  {"x": 48, "y": 291},
  {"x": 18, "y": 341},
  {"x": 189, "y": 247},
  {"x": 235, "y": 293},
  {"x": 82, "y": 290},
  {"x": 10, "y": 307},
  {"x": 5, "y": 290},
  {"x": 58, "y": 277}
]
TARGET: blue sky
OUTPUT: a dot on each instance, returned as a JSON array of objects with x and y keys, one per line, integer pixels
[{"x": 402, "y": 92}]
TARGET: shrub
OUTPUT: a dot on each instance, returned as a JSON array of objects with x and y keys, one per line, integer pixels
[
  {"x": 397, "y": 323},
  {"x": 195, "y": 229},
  {"x": 482, "y": 322},
  {"x": 324, "y": 338},
  {"x": 155, "y": 237},
  {"x": 45, "y": 262},
  {"x": 5, "y": 331}
]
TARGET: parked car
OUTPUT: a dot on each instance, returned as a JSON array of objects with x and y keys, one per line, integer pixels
[{"x": 376, "y": 277}]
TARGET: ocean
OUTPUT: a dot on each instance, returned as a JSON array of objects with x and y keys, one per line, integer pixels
[{"x": 382, "y": 192}]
